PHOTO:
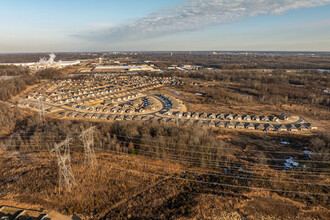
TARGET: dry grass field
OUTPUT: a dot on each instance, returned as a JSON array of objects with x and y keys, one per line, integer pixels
[{"x": 124, "y": 186}]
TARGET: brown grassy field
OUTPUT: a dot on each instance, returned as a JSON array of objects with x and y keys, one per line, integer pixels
[{"x": 123, "y": 186}]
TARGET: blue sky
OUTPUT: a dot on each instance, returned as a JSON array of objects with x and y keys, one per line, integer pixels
[{"x": 109, "y": 25}]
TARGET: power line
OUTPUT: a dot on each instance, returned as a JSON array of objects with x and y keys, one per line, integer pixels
[
  {"x": 205, "y": 153},
  {"x": 222, "y": 155},
  {"x": 279, "y": 152},
  {"x": 242, "y": 157},
  {"x": 215, "y": 183},
  {"x": 222, "y": 184},
  {"x": 197, "y": 160},
  {"x": 121, "y": 169},
  {"x": 179, "y": 160},
  {"x": 198, "y": 145},
  {"x": 230, "y": 176}
]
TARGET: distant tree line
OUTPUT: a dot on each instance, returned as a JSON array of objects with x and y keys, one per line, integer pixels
[
  {"x": 13, "y": 86},
  {"x": 275, "y": 87},
  {"x": 13, "y": 70},
  {"x": 193, "y": 146}
]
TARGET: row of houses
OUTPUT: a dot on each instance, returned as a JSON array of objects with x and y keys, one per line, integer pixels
[
  {"x": 139, "y": 105},
  {"x": 207, "y": 123},
  {"x": 109, "y": 93},
  {"x": 103, "y": 83},
  {"x": 241, "y": 125},
  {"x": 196, "y": 115},
  {"x": 72, "y": 90}
]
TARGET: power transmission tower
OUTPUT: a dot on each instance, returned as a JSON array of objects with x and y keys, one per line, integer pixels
[
  {"x": 62, "y": 151},
  {"x": 87, "y": 137}
]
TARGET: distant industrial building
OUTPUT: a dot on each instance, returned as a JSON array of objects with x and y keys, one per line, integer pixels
[
  {"x": 45, "y": 63},
  {"x": 124, "y": 68}
]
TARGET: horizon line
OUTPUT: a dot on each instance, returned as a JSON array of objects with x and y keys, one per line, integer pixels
[{"x": 173, "y": 51}]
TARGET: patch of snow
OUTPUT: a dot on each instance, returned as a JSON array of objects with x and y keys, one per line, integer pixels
[
  {"x": 326, "y": 91},
  {"x": 285, "y": 142},
  {"x": 309, "y": 154},
  {"x": 289, "y": 163},
  {"x": 198, "y": 94},
  {"x": 239, "y": 177}
]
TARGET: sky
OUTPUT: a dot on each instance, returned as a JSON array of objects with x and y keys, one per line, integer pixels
[{"x": 164, "y": 25}]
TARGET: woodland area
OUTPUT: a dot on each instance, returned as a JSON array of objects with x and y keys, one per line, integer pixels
[
  {"x": 13, "y": 86},
  {"x": 241, "y": 60},
  {"x": 160, "y": 141},
  {"x": 19, "y": 79},
  {"x": 276, "y": 88}
]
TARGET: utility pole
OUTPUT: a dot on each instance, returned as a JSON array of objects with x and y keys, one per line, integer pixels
[
  {"x": 62, "y": 151},
  {"x": 87, "y": 137}
]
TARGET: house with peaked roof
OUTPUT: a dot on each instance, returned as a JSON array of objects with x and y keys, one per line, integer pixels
[
  {"x": 281, "y": 127},
  {"x": 220, "y": 124},
  {"x": 195, "y": 115},
  {"x": 239, "y": 125},
  {"x": 269, "y": 127},
  {"x": 284, "y": 116},
  {"x": 310, "y": 126},
  {"x": 260, "y": 127},
  {"x": 255, "y": 118},
  {"x": 211, "y": 123},
  {"x": 229, "y": 117},
  {"x": 292, "y": 127},
  {"x": 264, "y": 118},
  {"x": 246, "y": 117},
  {"x": 301, "y": 127},
  {"x": 249, "y": 126},
  {"x": 230, "y": 125}
]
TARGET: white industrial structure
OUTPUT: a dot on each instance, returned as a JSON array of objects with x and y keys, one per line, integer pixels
[
  {"x": 45, "y": 63},
  {"x": 125, "y": 68}
]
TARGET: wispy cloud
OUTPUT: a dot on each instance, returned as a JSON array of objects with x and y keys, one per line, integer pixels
[{"x": 192, "y": 15}]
